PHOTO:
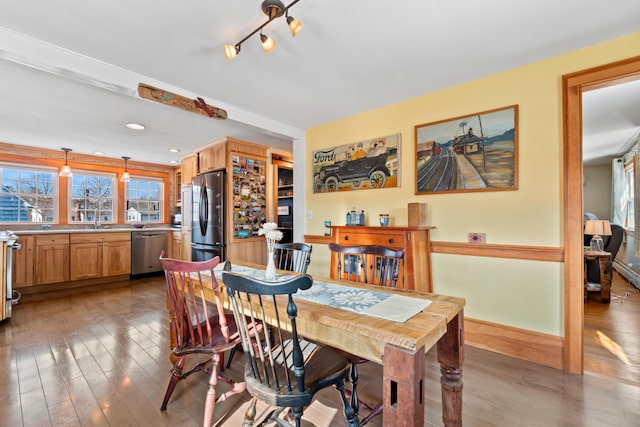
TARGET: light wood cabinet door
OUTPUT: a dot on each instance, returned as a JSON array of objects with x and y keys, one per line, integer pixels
[
  {"x": 95, "y": 255},
  {"x": 189, "y": 169},
  {"x": 176, "y": 245},
  {"x": 23, "y": 263},
  {"x": 86, "y": 261},
  {"x": 212, "y": 158},
  {"x": 185, "y": 232},
  {"x": 116, "y": 258},
  {"x": 52, "y": 259}
]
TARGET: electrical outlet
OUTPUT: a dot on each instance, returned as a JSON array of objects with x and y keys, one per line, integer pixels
[
  {"x": 309, "y": 214},
  {"x": 477, "y": 237}
]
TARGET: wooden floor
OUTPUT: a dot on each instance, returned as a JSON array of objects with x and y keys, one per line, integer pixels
[{"x": 100, "y": 359}]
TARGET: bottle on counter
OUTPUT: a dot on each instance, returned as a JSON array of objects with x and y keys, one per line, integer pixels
[{"x": 354, "y": 217}]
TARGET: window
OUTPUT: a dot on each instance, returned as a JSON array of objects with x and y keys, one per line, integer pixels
[
  {"x": 92, "y": 197},
  {"x": 144, "y": 200},
  {"x": 629, "y": 173},
  {"x": 28, "y": 194}
]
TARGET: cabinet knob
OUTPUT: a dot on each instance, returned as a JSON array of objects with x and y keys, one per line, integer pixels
[
  {"x": 346, "y": 237},
  {"x": 391, "y": 240}
]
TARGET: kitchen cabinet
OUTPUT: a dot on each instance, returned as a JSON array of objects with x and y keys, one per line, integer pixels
[
  {"x": 51, "y": 259},
  {"x": 415, "y": 270},
  {"x": 212, "y": 158},
  {"x": 177, "y": 185},
  {"x": 23, "y": 262},
  {"x": 188, "y": 169},
  {"x": 116, "y": 257},
  {"x": 175, "y": 248},
  {"x": 94, "y": 255},
  {"x": 187, "y": 218}
]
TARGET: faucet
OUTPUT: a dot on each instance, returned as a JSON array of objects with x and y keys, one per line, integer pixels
[{"x": 96, "y": 221}]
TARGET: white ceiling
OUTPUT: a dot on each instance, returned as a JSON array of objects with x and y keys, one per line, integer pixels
[{"x": 70, "y": 68}]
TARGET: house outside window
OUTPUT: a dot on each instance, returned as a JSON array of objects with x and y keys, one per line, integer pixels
[
  {"x": 28, "y": 194},
  {"x": 92, "y": 197},
  {"x": 144, "y": 200}
]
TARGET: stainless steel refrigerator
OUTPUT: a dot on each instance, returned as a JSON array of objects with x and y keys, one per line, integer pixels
[{"x": 208, "y": 226}]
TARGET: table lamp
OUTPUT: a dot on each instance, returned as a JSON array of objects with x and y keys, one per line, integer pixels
[{"x": 597, "y": 228}]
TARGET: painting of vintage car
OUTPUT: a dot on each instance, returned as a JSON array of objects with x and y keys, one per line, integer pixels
[{"x": 351, "y": 167}]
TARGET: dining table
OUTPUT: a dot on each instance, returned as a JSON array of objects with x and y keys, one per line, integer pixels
[{"x": 389, "y": 326}]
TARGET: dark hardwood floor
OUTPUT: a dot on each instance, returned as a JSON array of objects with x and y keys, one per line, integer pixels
[{"x": 100, "y": 359}]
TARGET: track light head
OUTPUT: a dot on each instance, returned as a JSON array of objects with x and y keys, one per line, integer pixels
[
  {"x": 230, "y": 51},
  {"x": 294, "y": 25},
  {"x": 267, "y": 43}
]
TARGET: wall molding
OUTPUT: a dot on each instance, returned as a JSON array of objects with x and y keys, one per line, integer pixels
[
  {"x": 523, "y": 344},
  {"x": 531, "y": 253}
]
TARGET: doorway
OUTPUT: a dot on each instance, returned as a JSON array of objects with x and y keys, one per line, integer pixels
[
  {"x": 283, "y": 190},
  {"x": 573, "y": 87}
]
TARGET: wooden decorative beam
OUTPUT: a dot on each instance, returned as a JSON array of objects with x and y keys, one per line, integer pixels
[{"x": 197, "y": 105}]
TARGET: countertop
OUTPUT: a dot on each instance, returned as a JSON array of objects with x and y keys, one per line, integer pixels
[{"x": 104, "y": 229}]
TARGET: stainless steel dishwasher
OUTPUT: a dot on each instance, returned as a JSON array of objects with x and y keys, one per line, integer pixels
[{"x": 146, "y": 247}]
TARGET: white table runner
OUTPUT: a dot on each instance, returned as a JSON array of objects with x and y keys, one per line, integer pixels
[{"x": 396, "y": 308}]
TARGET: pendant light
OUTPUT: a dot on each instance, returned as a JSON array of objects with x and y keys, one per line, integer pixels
[
  {"x": 66, "y": 170},
  {"x": 125, "y": 175}
]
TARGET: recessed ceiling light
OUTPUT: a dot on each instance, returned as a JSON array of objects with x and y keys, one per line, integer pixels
[
  {"x": 136, "y": 126},
  {"x": 174, "y": 150},
  {"x": 98, "y": 153},
  {"x": 173, "y": 162}
]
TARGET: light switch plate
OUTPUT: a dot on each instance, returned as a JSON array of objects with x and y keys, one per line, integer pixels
[{"x": 477, "y": 237}]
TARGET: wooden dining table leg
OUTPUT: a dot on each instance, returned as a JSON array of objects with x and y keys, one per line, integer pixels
[
  {"x": 403, "y": 387},
  {"x": 451, "y": 357}
]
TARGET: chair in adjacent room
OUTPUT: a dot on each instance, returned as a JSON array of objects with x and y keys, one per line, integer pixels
[
  {"x": 373, "y": 264},
  {"x": 293, "y": 256},
  {"x": 592, "y": 267},
  {"x": 282, "y": 368},
  {"x": 198, "y": 325}
]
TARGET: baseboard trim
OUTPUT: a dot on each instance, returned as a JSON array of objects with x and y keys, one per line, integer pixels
[{"x": 523, "y": 344}]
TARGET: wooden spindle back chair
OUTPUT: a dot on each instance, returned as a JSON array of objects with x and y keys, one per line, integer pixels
[
  {"x": 293, "y": 256},
  {"x": 373, "y": 264},
  {"x": 376, "y": 265},
  {"x": 282, "y": 368},
  {"x": 198, "y": 325}
]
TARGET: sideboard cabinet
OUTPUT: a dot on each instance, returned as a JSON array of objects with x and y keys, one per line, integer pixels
[{"x": 415, "y": 270}]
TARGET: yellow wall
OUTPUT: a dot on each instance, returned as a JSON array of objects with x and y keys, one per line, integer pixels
[{"x": 524, "y": 294}]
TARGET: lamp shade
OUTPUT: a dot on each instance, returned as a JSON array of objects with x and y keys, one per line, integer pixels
[{"x": 597, "y": 227}]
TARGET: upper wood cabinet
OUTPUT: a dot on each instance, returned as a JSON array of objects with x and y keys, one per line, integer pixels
[
  {"x": 415, "y": 271},
  {"x": 212, "y": 158},
  {"x": 189, "y": 169}
]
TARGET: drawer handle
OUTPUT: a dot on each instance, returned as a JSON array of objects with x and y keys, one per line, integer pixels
[
  {"x": 346, "y": 237},
  {"x": 391, "y": 241}
]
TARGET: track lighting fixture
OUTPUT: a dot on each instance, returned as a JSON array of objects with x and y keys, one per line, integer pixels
[
  {"x": 273, "y": 9},
  {"x": 125, "y": 175},
  {"x": 66, "y": 170}
]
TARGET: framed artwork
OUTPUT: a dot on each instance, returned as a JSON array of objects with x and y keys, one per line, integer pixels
[
  {"x": 370, "y": 164},
  {"x": 478, "y": 152}
]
